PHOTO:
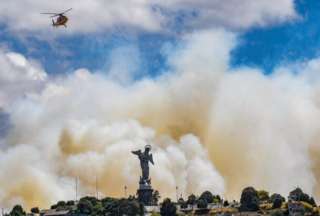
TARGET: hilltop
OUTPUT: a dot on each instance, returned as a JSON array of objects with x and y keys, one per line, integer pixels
[{"x": 252, "y": 202}]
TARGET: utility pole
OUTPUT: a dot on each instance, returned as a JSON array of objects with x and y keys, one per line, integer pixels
[
  {"x": 177, "y": 193},
  {"x": 97, "y": 193},
  {"x": 76, "y": 181},
  {"x": 125, "y": 191}
]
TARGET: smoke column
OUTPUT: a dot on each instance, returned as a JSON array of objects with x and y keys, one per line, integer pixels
[{"x": 211, "y": 127}]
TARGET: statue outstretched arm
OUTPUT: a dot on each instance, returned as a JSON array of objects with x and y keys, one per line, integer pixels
[{"x": 136, "y": 152}]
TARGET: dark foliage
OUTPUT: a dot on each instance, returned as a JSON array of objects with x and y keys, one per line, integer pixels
[
  {"x": 85, "y": 206},
  {"x": 263, "y": 195},
  {"x": 168, "y": 208},
  {"x": 181, "y": 201},
  {"x": 125, "y": 207},
  {"x": 249, "y": 200},
  {"x": 277, "y": 200},
  {"x": 70, "y": 203},
  {"x": 298, "y": 195},
  {"x": 61, "y": 205},
  {"x": 207, "y": 195},
  {"x": 108, "y": 206},
  {"x": 184, "y": 205},
  {"x": 276, "y": 196},
  {"x": 35, "y": 210},
  {"x": 277, "y": 213},
  {"x": 155, "y": 197},
  {"x": 202, "y": 207},
  {"x": 17, "y": 210},
  {"x": 217, "y": 199},
  {"x": 191, "y": 199},
  {"x": 225, "y": 203},
  {"x": 202, "y": 203}
]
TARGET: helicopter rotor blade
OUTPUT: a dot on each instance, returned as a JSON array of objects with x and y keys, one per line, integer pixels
[
  {"x": 66, "y": 11},
  {"x": 49, "y": 13},
  {"x": 55, "y": 15}
]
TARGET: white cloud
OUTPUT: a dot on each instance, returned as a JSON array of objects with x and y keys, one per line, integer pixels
[
  {"x": 18, "y": 76},
  {"x": 99, "y": 15},
  {"x": 233, "y": 13}
]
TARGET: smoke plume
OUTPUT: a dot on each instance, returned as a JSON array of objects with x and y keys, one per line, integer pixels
[{"x": 210, "y": 127}]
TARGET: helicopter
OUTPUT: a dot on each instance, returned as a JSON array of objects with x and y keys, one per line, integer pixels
[{"x": 61, "y": 18}]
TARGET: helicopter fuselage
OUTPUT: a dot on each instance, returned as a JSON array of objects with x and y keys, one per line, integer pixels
[{"x": 61, "y": 20}]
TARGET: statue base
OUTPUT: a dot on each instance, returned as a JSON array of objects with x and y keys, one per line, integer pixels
[{"x": 145, "y": 194}]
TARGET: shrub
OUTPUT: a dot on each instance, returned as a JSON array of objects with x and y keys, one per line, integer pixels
[
  {"x": 277, "y": 201},
  {"x": 183, "y": 204},
  {"x": 70, "y": 203},
  {"x": 225, "y": 203},
  {"x": 155, "y": 197},
  {"x": 263, "y": 195},
  {"x": 217, "y": 199},
  {"x": 35, "y": 210},
  {"x": 277, "y": 213}
]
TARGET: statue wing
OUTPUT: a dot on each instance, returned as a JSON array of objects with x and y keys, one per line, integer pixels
[{"x": 151, "y": 159}]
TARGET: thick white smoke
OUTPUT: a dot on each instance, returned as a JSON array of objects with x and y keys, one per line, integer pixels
[{"x": 211, "y": 128}]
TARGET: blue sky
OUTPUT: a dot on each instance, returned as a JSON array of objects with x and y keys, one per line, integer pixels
[
  {"x": 293, "y": 41},
  {"x": 263, "y": 47}
]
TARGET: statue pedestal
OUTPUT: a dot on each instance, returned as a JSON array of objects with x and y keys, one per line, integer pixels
[{"x": 145, "y": 194}]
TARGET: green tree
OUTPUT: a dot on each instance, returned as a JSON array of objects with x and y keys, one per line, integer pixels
[
  {"x": 168, "y": 208},
  {"x": 129, "y": 207},
  {"x": 249, "y": 200},
  {"x": 191, "y": 199},
  {"x": 207, "y": 195},
  {"x": 121, "y": 207},
  {"x": 202, "y": 203},
  {"x": 84, "y": 206},
  {"x": 17, "y": 210}
]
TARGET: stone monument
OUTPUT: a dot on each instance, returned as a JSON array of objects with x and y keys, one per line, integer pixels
[{"x": 145, "y": 190}]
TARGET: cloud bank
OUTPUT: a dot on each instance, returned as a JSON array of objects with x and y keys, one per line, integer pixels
[
  {"x": 153, "y": 16},
  {"x": 211, "y": 127}
]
